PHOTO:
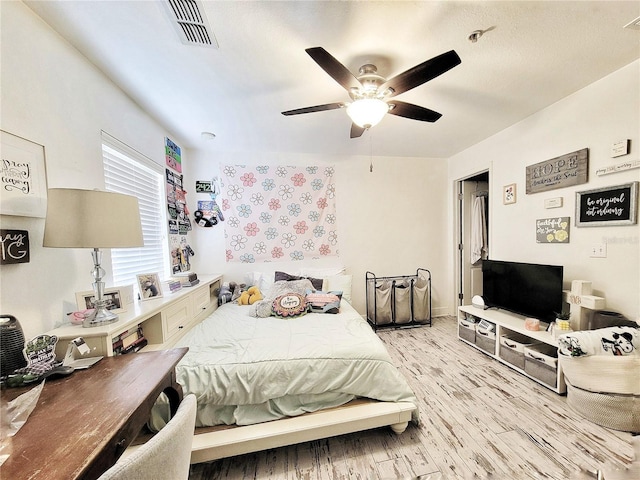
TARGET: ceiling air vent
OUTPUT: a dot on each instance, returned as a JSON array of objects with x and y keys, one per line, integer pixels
[{"x": 190, "y": 22}]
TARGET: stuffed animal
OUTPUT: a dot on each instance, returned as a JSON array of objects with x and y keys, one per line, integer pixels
[
  {"x": 224, "y": 293},
  {"x": 243, "y": 299},
  {"x": 254, "y": 295},
  {"x": 250, "y": 296}
]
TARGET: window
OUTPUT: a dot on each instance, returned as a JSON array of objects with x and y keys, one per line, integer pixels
[{"x": 128, "y": 171}]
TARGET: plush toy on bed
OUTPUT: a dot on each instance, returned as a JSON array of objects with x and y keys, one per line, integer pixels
[
  {"x": 224, "y": 293},
  {"x": 250, "y": 296}
]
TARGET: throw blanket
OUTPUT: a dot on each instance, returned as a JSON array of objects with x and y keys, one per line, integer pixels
[{"x": 616, "y": 341}]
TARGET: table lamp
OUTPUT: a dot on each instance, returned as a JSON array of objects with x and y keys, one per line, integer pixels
[{"x": 93, "y": 219}]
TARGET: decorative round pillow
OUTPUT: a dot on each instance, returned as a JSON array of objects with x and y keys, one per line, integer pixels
[{"x": 289, "y": 305}]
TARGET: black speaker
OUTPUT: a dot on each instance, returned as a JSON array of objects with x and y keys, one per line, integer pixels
[{"x": 11, "y": 345}]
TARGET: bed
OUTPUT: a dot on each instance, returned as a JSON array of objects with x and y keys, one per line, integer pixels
[{"x": 264, "y": 382}]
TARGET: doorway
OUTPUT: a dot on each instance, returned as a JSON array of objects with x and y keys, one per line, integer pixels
[{"x": 472, "y": 235}]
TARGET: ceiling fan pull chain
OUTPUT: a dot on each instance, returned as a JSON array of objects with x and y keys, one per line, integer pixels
[{"x": 370, "y": 154}]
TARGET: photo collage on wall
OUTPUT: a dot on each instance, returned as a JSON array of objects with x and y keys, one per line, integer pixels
[
  {"x": 179, "y": 222},
  {"x": 208, "y": 212}
]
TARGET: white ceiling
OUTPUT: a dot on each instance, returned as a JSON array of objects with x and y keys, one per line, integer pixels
[{"x": 533, "y": 54}]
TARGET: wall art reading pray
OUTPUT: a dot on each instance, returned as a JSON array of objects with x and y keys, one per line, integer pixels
[
  {"x": 23, "y": 180},
  {"x": 607, "y": 206},
  {"x": 14, "y": 246}
]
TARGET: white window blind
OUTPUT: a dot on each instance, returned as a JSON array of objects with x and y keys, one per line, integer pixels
[{"x": 128, "y": 171}]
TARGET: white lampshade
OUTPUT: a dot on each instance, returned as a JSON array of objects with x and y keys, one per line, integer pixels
[
  {"x": 91, "y": 219},
  {"x": 367, "y": 112}
]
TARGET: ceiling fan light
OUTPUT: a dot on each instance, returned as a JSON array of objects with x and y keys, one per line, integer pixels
[{"x": 367, "y": 112}]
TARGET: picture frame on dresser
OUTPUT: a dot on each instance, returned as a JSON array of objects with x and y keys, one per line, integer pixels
[
  {"x": 149, "y": 286},
  {"x": 115, "y": 296}
]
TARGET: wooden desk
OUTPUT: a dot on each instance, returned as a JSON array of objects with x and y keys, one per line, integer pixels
[{"x": 82, "y": 423}]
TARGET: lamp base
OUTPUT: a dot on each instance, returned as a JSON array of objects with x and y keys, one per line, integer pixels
[{"x": 100, "y": 316}]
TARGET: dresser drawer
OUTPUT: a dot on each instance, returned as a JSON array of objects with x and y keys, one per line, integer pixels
[
  {"x": 177, "y": 317},
  {"x": 201, "y": 300}
]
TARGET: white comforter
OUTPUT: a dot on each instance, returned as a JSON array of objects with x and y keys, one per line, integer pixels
[{"x": 247, "y": 370}]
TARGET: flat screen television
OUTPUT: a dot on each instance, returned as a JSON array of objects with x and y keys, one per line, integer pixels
[{"x": 528, "y": 289}]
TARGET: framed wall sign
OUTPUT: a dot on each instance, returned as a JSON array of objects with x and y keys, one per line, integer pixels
[
  {"x": 14, "y": 246},
  {"x": 559, "y": 172},
  {"x": 552, "y": 230},
  {"x": 607, "y": 206},
  {"x": 23, "y": 178}
]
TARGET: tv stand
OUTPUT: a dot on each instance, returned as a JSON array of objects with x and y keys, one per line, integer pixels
[{"x": 531, "y": 353}]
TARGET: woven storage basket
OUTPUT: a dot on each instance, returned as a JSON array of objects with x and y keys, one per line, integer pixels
[
  {"x": 611, "y": 410},
  {"x": 604, "y": 389},
  {"x": 603, "y": 373}
]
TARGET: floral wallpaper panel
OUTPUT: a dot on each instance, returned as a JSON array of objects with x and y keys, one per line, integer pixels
[{"x": 278, "y": 213}]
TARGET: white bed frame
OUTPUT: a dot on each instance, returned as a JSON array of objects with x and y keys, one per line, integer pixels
[{"x": 212, "y": 443}]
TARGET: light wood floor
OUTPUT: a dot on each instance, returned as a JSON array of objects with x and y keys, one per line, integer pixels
[{"x": 479, "y": 419}]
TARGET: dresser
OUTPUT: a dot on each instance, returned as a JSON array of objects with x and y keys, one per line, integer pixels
[{"x": 163, "y": 321}]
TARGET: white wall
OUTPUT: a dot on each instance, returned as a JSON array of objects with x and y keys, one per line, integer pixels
[
  {"x": 595, "y": 118},
  {"x": 53, "y": 96},
  {"x": 390, "y": 221}
]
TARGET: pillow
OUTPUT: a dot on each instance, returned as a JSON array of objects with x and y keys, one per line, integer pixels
[
  {"x": 322, "y": 272},
  {"x": 289, "y": 305},
  {"x": 264, "y": 281},
  {"x": 341, "y": 283},
  {"x": 323, "y": 302},
  {"x": 262, "y": 308},
  {"x": 316, "y": 282}
]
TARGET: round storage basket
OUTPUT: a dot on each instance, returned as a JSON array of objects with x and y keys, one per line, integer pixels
[{"x": 612, "y": 410}]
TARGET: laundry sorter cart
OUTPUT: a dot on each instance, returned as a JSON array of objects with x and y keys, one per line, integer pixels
[{"x": 400, "y": 301}]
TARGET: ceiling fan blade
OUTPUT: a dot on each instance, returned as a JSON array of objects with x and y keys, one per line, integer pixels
[
  {"x": 316, "y": 108},
  {"x": 414, "y": 112},
  {"x": 421, "y": 73},
  {"x": 356, "y": 131},
  {"x": 334, "y": 68}
]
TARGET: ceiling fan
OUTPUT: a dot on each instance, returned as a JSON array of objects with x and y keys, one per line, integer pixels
[{"x": 372, "y": 94}]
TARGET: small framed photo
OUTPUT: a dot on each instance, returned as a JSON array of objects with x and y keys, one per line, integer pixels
[
  {"x": 149, "y": 286},
  {"x": 509, "y": 194},
  {"x": 115, "y": 298}
]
